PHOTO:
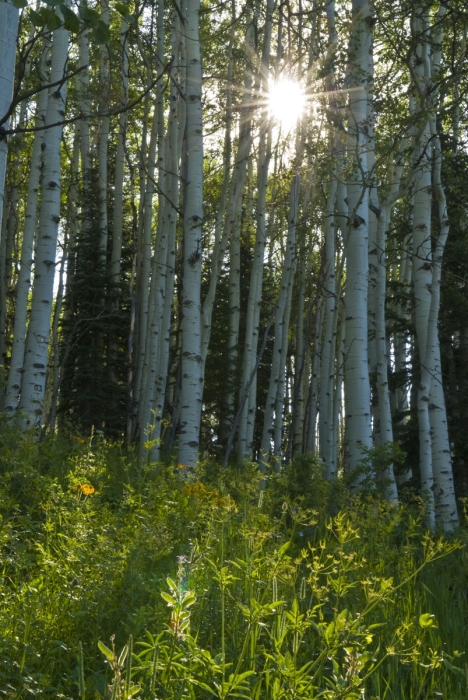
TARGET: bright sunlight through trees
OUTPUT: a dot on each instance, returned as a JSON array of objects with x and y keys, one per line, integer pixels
[{"x": 286, "y": 102}]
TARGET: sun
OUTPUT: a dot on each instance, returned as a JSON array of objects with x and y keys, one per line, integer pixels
[{"x": 286, "y": 102}]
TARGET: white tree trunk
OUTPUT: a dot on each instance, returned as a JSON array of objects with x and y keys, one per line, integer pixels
[
  {"x": 327, "y": 373},
  {"x": 103, "y": 138},
  {"x": 169, "y": 223},
  {"x": 192, "y": 380},
  {"x": 357, "y": 385},
  {"x": 33, "y": 385},
  {"x": 8, "y": 33},
  {"x": 23, "y": 284},
  {"x": 273, "y": 416}
]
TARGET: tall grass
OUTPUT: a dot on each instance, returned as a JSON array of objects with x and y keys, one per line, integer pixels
[{"x": 121, "y": 581}]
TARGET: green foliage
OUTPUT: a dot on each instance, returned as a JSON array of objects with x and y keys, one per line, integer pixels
[
  {"x": 94, "y": 330},
  {"x": 120, "y": 581}
]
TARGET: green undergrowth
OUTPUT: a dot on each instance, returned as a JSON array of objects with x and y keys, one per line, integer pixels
[{"x": 120, "y": 580}]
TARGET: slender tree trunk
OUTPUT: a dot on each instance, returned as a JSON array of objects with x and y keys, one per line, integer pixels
[
  {"x": 192, "y": 379},
  {"x": 23, "y": 283},
  {"x": 8, "y": 32},
  {"x": 33, "y": 385},
  {"x": 357, "y": 385},
  {"x": 273, "y": 416}
]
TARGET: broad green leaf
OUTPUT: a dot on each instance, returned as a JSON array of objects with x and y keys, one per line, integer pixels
[
  {"x": 53, "y": 21},
  {"x": 101, "y": 32},
  {"x": 71, "y": 21},
  {"x": 20, "y": 3},
  {"x": 36, "y": 18},
  {"x": 121, "y": 8},
  {"x": 106, "y": 651},
  {"x": 89, "y": 15}
]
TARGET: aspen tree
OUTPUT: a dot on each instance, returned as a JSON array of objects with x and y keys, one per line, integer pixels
[
  {"x": 33, "y": 384},
  {"x": 168, "y": 222},
  {"x": 103, "y": 135},
  {"x": 117, "y": 219},
  {"x": 8, "y": 32},
  {"x": 23, "y": 284},
  {"x": 445, "y": 502},
  {"x": 275, "y": 397},
  {"x": 247, "y": 422},
  {"x": 192, "y": 384},
  {"x": 357, "y": 385},
  {"x": 232, "y": 193}
]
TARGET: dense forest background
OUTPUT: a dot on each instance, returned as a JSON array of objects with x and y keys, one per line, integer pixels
[{"x": 193, "y": 269}]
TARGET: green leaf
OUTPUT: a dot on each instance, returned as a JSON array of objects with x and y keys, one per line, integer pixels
[
  {"x": 123, "y": 655},
  {"x": 71, "y": 21},
  {"x": 20, "y": 3},
  {"x": 426, "y": 620},
  {"x": 168, "y": 598},
  {"x": 89, "y": 15},
  {"x": 121, "y": 8},
  {"x": 53, "y": 22},
  {"x": 36, "y": 18},
  {"x": 171, "y": 583},
  {"x": 101, "y": 32},
  {"x": 106, "y": 651}
]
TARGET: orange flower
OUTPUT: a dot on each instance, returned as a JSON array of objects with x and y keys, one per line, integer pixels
[{"x": 87, "y": 489}]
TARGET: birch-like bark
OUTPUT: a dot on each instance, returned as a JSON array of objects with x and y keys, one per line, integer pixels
[
  {"x": 247, "y": 420},
  {"x": 445, "y": 501},
  {"x": 328, "y": 342},
  {"x": 103, "y": 138},
  {"x": 192, "y": 380},
  {"x": 23, "y": 283},
  {"x": 357, "y": 385},
  {"x": 312, "y": 402},
  {"x": 169, "y": 223},
  {"x": 273, "y": 416},
  {"x": 231, "y": 199},
  {"x": 33, "y": 385},
  {"x": 8, "y": 33},
  {"x": 117, "y": 220},
  {"x": 145, "y": 302}
]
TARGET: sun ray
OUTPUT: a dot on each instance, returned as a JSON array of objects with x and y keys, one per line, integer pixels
[{"x": 286, "y": 102}]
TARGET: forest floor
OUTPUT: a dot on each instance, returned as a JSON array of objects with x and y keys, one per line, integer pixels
[{"x": 122, "y": 581}]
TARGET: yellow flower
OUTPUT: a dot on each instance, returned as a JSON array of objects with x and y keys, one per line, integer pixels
[
  {"x": 79, "y": 439},
  {"x": 87, "y": 489},
  {"x": 181, "y": 466}
]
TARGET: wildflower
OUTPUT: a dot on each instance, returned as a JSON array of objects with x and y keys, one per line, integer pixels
[
  {"x": 87, "y": 489},
  {"x": 181, "y": 466},
  {"x": 79, "y": 439}
]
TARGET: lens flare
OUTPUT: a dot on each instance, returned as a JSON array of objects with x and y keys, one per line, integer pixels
[{"x": 286, "y": 102}]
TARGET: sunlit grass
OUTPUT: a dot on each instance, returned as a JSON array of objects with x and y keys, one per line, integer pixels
[{"x": 213, "y": 589}]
